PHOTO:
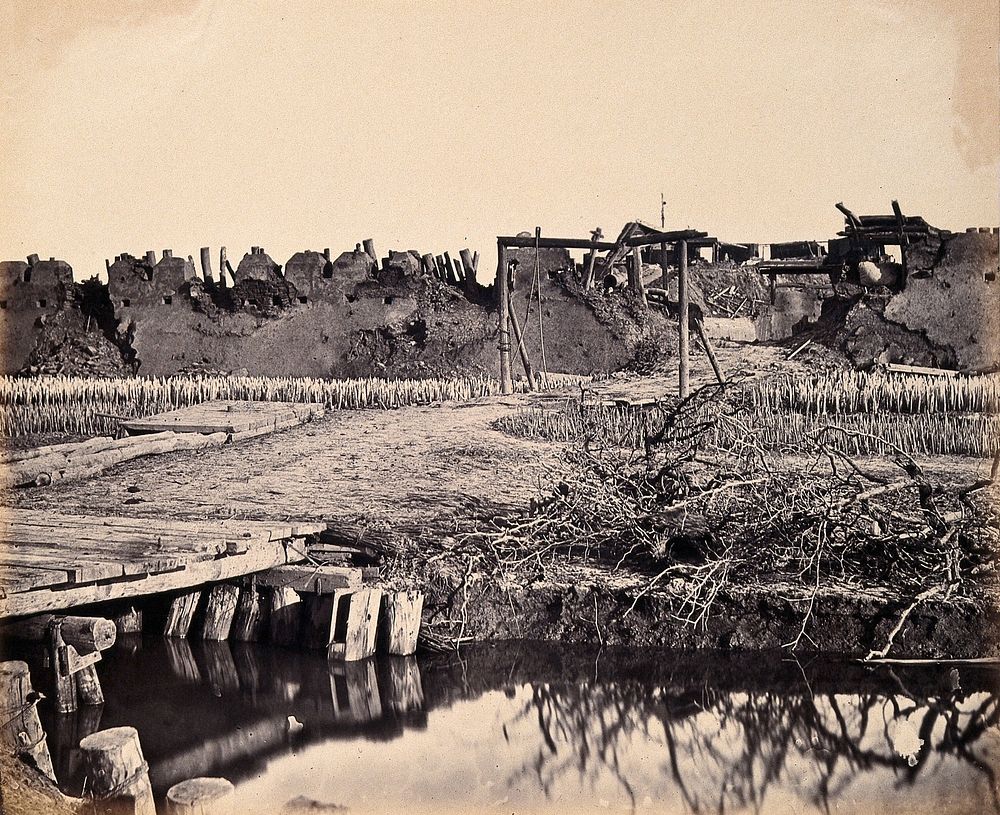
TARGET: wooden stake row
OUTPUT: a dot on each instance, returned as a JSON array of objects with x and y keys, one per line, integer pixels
[{"x": 349, "y": 623}]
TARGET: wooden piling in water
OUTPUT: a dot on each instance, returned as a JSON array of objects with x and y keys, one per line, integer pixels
[
  {"x": 249, "y": 615},
  {"x": 20, "y": 728},
  {"x": 354, "y": 626},
  {"x": 201, "y": 796},
  {"x": 401, "y": 622},
  {"x": 220, "y": 609},
  {"x": 63, "y": 681},
  {"x": 286, "y": 616},
  {"x": 88, "y": 686},
  {"x": 181, "y": 614},
  {"x": 117, "y": 774}
]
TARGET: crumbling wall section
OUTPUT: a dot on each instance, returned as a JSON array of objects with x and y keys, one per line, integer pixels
[
  {"x": 954, "y": 299},
  {"x": 31, "y": 293}
]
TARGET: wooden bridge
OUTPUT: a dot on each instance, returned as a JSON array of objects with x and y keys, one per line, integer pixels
[{"x": 50, "y": 561}]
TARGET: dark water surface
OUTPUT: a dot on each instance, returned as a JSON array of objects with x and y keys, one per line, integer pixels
[{"x": 532, "y": 727}]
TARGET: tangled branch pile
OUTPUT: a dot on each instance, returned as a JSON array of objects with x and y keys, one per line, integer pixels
[{"x": 708, "y": 517}]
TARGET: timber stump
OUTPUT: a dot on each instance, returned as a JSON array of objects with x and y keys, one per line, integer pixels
[{"x": 117, "y": 775}]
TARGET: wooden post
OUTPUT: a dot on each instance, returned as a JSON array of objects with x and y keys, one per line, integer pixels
[
  {"x": 588, "y": 270},
  {"x": 772, "y": 286},
  {"x": 63, "y": 681},
  {"x": 521, "y": 350},
  {"x": 219, "y": 611},
  {"x": 222, "y": 267},
  {"x": 286, "y": 616},
  {"x": 369, "y": 246},
  {"x": 201, "y": 796},
  {"x": 637, "y": 285},
  {"x": 683, "y": 309},
  {"x": 469, "y": 269},
  {"x": 249, "y": 617},
  {"x": 20, "y": 728},
  {"x": 206, "y": 264},
  {"x": 320, "y": 609},
  {"x": 428, "y": 264},
  {"x": 117, "y": 775},
  {"x": 181, "y": 614},
  {"x": 355, "y": 624},
  {"x": 88, "y": 686},
  {"x": 451, "y": 270},
  {"x": 503, "y": 309},
  {"x": 664, "y": 265},
  {"x": 401, "y": 621}
]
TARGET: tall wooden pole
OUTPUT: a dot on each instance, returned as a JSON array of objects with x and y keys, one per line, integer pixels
[
  {"x": 503, "y": 304},
  {"x": 684, "y": 339},
  {"x": 664, "y": 263}
]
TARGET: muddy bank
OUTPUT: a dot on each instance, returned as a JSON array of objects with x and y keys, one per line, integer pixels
[{"x": 594, "y": 610}]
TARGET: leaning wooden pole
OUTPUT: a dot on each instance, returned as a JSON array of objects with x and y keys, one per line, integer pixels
[
  {"x": 699, "y": 327},
  {"x": 521, "y": 350},
  {"x": 503, "y": 306},
  {"x": 683, "y": 310}
]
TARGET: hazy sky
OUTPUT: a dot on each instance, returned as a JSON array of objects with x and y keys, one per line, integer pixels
[{"x": 136, "y": 124}]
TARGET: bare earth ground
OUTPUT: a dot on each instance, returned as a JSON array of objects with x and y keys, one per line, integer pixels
[{"x": 405, "y": 466}]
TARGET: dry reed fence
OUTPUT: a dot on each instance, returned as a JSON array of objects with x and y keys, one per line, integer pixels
[
  {"x": 90, "y": 406},
  {"x": 876, "y": 414}
]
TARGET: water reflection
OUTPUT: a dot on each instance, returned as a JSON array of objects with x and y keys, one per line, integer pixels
[{"x": 535, "y": 728}]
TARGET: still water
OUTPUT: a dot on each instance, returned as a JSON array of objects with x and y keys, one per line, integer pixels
[{"x": 531, "y": 727}]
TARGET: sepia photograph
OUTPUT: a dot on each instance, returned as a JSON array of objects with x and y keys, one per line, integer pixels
[{"x": 541, "y": 407}]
